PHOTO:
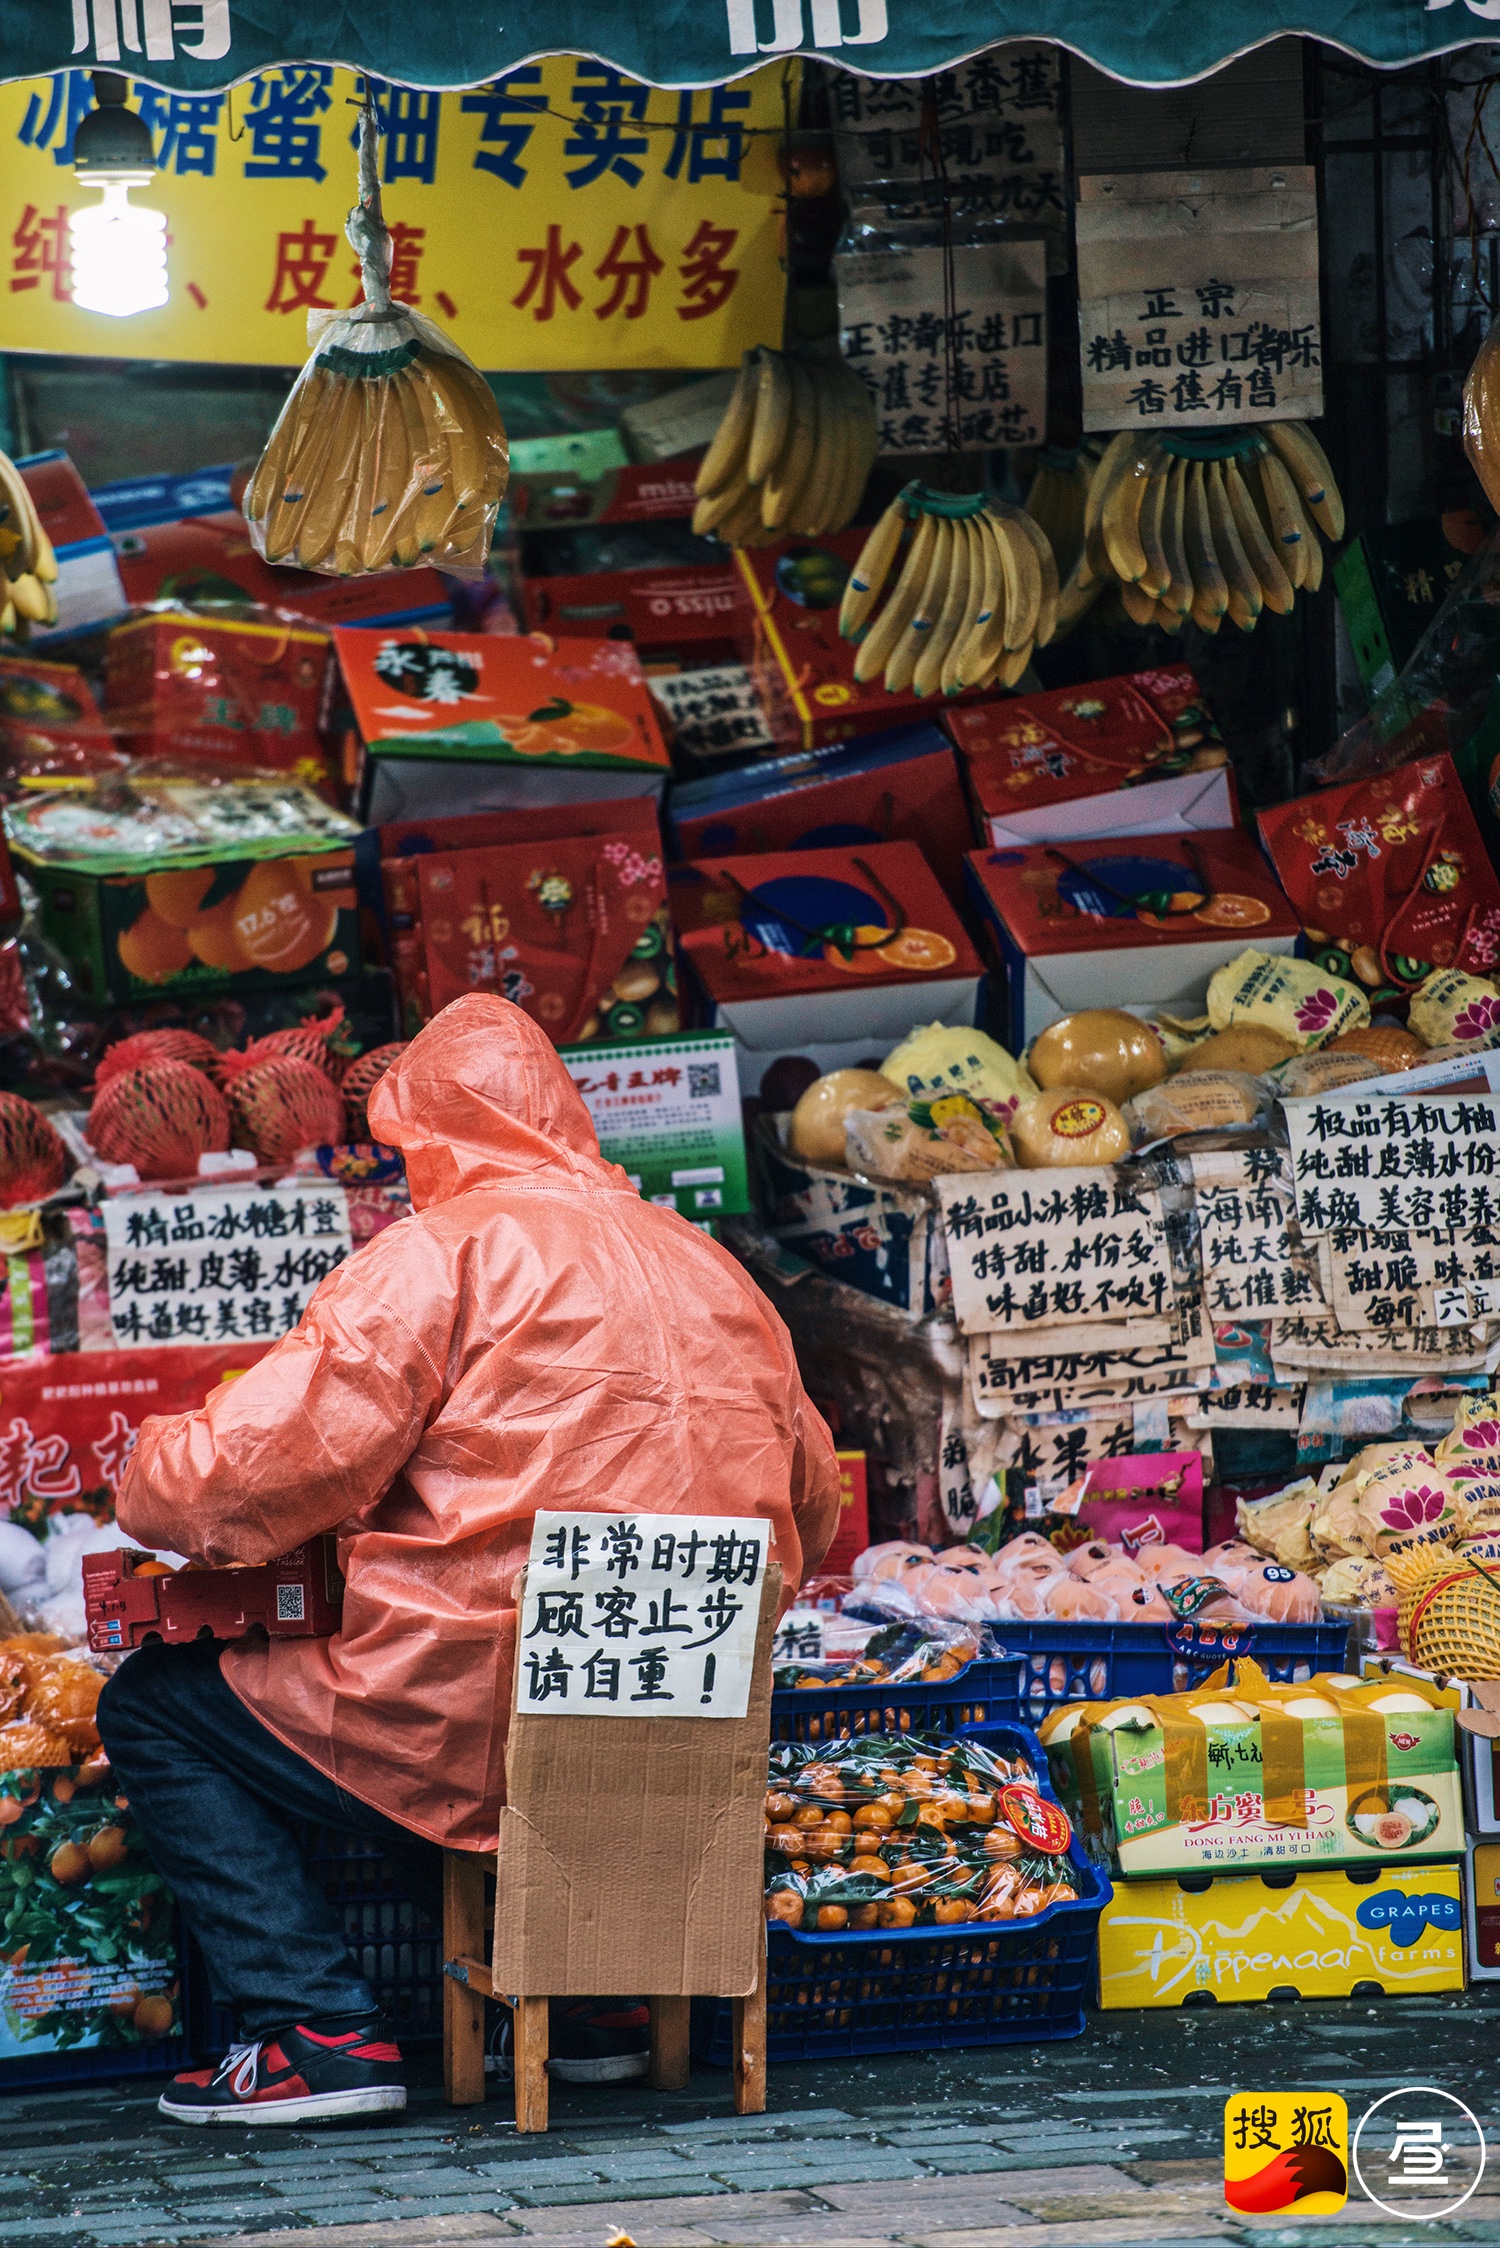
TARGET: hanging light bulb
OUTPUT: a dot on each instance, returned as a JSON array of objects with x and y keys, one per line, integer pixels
[{"x": 118, "y": 250}]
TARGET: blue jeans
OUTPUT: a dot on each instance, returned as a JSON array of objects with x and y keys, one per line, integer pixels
[{"x": 216, "y": 1797}]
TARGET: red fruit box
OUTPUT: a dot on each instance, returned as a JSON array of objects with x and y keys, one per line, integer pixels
[
  {"x": 831, "y": 954},
  {"x": 1149, "y": 732},
  {"x": 658, "y": 610},
  {"x": 788, "y": 633},
  {"x": 210, "y": 558},
  {"x": 301, "y": 1596},
  {"x": 1096, "y": 923},
  {"x": 244, "y": 693}
]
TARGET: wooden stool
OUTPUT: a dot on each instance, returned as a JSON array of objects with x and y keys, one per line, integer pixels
[{"x": 468, "y": 1983}]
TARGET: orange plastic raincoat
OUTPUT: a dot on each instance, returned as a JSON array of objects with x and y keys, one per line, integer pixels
[{"x": 533, "y": 1336}]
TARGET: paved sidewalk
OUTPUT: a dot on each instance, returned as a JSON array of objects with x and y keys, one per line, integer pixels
[{"x": 1101, "y": 2142}]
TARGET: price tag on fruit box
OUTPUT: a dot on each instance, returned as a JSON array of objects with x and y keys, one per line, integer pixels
[
  {"x": 231, "y": 1264},
  {"x": 1033, "y": 1250},
  {"x": 640, "y": 1615}
]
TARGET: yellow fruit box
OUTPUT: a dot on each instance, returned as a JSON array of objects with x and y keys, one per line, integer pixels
[{"x": 1328, "y": 1933}]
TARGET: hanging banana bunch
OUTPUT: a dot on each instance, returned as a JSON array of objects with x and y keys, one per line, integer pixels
[
  {"x": 978, "y": 591},
  {"x": 1206, "y": 527},
  {"x": 1482, "y": 415},
  {"x": 390, "y": 449},
  {"x": 1059, "y": 495},
  {"x": 28, "y": 566},
  {"x": 792, "y": 455}
]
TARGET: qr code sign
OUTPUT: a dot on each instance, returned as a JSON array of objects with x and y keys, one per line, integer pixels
[
  {"x": 703, "y": 1081},
  {"x": 291, "y": 1604}
]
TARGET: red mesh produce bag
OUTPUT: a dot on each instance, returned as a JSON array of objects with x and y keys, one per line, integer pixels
[
  {"x": 280, "y": 1104},
  {"x": 308, "y": 1042},
  {"x": 161, "y": 1117},
  {"x": 33, "y": 1160},
  {"x": 360, "y": 1081},
  {"x": 158, "y": 1046}
]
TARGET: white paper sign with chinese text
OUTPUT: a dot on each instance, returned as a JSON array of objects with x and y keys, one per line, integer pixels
[
  {"x": 640, "y": 1615},
  {"x": 1034, "y": 1249},
  {"x": 1252, "y": 1264},
  {"x": 893, "y": 334},
  {"x": 1429, "y": 1163},
  {"x": 1198, "y": 298},
  {"x": 235, "y": 1265},
  {"x": 997, "y": 126}
]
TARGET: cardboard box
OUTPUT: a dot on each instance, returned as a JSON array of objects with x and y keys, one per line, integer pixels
[
  {"x": 239, "y": 692},
  {"x": 1477, "y": 1740},
  {"x": 1039, "y": 767},
  {"x": 1070, "y": 933},
  {"x": 675, "y": 1904},
  {"x": 1318, "y": 1934},
  {"x": 298, "y": 1596},
  {"x": 887, "y": 1241},
  {"x": 48, "y": 716},
  {"x": 585, "y": 478},
  {"x": 209, "y": 557},
  {"x": 667, "y": 1110},
  {"x": 787, "y": 951},
  {"x": 1481, "y": 1872},
  {"x": 661, "y": 612},
  {"x": 898, "y": 786},
  {"x": 789, "y": 636},
  {"x": 1211, "y": 1805},
  {"x": 88, "y": 587},
  {"x": 465, "y": 722}
]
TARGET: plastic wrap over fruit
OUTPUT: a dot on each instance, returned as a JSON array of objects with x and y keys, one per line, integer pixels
[{"x": 1482, "y": 415}]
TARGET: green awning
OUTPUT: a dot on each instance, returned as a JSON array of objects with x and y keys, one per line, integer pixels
[{"x": 194, "y": 46}]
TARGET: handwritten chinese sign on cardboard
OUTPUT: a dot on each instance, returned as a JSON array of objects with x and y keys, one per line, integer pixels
[
  {"x": 893, "y": 334},
  {"x": 563, "y": 216},
  {"x": 237, "y": 1265},
  {"x": 640, "y": 1615},
  {"x": 1033, "y": 1251},
  {"x": 1199, "y": 298},
  {"x": 1389, "y": 1164}
]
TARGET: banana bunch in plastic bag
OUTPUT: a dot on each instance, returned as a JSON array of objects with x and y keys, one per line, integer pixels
[
  {"x": 1205, "y": 527},
  {"x": 977, "y": 592},
  {"x": 390, "y": 449},
  {"x": 28, "y": 566},
  {"x": 792, "y": 455}
]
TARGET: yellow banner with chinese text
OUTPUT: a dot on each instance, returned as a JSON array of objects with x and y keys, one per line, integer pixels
[{"x": 561, "y": 218}]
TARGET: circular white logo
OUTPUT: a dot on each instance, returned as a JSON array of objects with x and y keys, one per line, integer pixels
[{"x": 1424, "y": 2151}]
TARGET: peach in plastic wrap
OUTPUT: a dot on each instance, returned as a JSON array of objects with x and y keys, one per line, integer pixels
[
  {"x": 1103, "y": 1049},
  {"x": 1067, "y": 1127},
  {"x": 817, "y": 1127}
]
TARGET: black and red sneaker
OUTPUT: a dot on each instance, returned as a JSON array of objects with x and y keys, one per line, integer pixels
[
  {"x": 299, "y": 2075},
  {"x": 599, "y": 2040}
]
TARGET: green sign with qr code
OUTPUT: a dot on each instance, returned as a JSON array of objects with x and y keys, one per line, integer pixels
[{"x": 667, "y": 1110}]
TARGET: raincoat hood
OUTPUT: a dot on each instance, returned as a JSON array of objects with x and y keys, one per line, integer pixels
[{"x": 478, "y": 1098}]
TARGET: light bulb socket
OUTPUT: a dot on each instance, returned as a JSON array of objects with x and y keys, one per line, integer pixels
[{"x": 113, "y": 141}]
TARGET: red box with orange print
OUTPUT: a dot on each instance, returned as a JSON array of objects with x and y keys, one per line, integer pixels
[
  {"x": 239, "y": 692},
  {"x": 788, "y": 634}
]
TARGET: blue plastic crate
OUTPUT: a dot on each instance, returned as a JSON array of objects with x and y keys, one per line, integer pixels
[
  {"x": 906, "y": 1990},
  {"x": 984, "y": 1692},
  {"x": 1104, "y": 1662}
]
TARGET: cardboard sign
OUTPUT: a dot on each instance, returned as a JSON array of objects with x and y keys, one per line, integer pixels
[
  {"x": 236, "y": 1265},
  {"x": 667, "y": 1110},
  {"x": 1252, "y": 1261},
  {"x": 645, "y": 1615},
  {"x": 894, "y": 334},
  {"x": 713, "y": 713},
  {"x": 1030, "y": 1251},
  {"x": 1094, "y": 1380},
  {"x": 1392, "y": 1280},
  {"x": 996, "y": 126},
  {"x": 1252, "y": 1405},
  {"x": 1309, "y": 1346},
  {"x": 1199, "y": 298},
  {"x": 1392, "y": 1163}
]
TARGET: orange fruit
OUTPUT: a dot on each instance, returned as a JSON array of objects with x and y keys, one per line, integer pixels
[
  {"x": 153, "y": 951},
  {"x": 897, "y": 1912},
  {"x": 278, "y": 921},
  {"x": 178, "y": 894},
  {"x": 154, "y": 2016},
  {"x": 831, "y": 1917},
  {"x": 215, "y": 940},
  {"x": 948, "y": 1910},
  {"x": 870, "y": 958},
  {"x": 70, "y": 1865},
  {"x": 107, "y": 1849},
  {"x": 875, "y": 1867},
  {"x": 878, "y": 1817},
  {"x": 921, "y": 950},
  {"x": 154, "y": 1569},
  {"x": 1227, "y": 909}
]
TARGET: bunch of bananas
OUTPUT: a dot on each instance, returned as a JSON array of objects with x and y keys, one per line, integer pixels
[
  {"x": 1206, "y": 527},
  {"x": 28, "y": 566},
  {"x": 791, "y": 456},
  {"x": 1482, "y": 415},
  {"x": 389, "y": 451},
  {"x": 1059, "y": 495},
  {"x": 978, "y": 591}
]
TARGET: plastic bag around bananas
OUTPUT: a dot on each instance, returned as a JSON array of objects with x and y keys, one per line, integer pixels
[
  {"x": 390, "y": 449},
  {"x": 28, "y": 566},
  {"x": 1482, "y": 416}
]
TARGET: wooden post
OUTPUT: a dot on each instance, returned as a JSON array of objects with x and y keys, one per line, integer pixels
[
  {"x": 671, "y": 2057},
  {"x": 463, "y": 2008},
  {"x": 750, "y": 2044},
  {"x": 528, "y": 2018}
]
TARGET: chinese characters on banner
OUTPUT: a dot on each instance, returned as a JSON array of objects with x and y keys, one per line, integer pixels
[
  {"x": 561, "y": 217},
  {"x": 894, "y": 335},
  {"x": 997, "y": 129},
  {"x": 1198, "y": 298},
  {"x": 233, "y": 1266},
  {"x": 640, "y": 1615},
  {"x": 1030, "y": 1252}
]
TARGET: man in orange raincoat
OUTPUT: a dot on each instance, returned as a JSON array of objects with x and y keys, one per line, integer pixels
[{"x": 533, "y": 1336}]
